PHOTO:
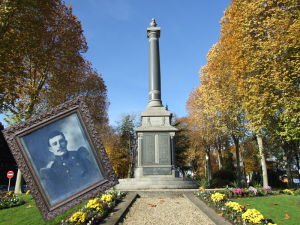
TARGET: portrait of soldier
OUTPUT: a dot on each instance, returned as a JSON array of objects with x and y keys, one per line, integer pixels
[{"x": 69, "y": 171}]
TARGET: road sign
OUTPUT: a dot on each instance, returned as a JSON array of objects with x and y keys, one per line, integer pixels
[
  {"x": 296, "y": 181},
  {"x": 10, "y": 174}
]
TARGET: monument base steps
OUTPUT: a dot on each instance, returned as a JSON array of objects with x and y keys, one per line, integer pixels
[{"x": 156, "y": 183}]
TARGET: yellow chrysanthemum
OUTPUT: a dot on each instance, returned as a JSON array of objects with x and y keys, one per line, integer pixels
[
  {"x": 288, "y": 191},
  {"x": 252, "y": 216},
  {"x": 217, "y": 197},
  {"x": 79, "y": 217},
  {"x": 106, "y": 198},
  {"x": 94, "y": 204},
  {"x": 235, "y": 206}
]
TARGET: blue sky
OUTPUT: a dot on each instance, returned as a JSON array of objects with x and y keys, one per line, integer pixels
[{"x": 116, "y": 33}]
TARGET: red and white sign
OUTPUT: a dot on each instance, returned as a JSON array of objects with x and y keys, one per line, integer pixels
[{"x": 10, "y": 174}]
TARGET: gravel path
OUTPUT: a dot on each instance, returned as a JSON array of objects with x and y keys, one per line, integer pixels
[{"x": 167, "y": 210}]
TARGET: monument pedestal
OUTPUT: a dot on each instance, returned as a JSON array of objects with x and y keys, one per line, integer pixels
[{"x": 156, "y": 146}]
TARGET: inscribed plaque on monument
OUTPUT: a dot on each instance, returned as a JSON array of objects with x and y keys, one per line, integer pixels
[
  {"x": 156, "y": 149},
  {"x": 149, "y": 149},
  {"x": 164, "y": 149}
]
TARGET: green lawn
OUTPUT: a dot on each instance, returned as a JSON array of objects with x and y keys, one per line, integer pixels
[
  {"x": 31, "y": 216},
  {"x": 287, "y": 204}
]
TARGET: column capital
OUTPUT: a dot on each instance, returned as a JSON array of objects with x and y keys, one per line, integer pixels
[{"x": 153, "y": 29}]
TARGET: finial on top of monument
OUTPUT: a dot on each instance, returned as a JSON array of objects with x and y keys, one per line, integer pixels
[{"x": 153, "y": 23}]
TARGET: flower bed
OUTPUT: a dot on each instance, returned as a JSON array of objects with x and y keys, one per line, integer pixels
[
  {"x": 9, "y": 199},
  {"x": 234, "y": 212},
  {"x": 96, "y": 209},
  {"x": 247, "y": 192}
]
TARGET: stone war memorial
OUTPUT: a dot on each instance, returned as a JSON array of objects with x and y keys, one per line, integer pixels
[{"x": 156, "y": 144}]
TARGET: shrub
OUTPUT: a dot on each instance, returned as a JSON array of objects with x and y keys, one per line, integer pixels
[
  {"x": 224, "y": 175},
  {"x": 8, "y": 200},
  {"x": 220, "y": 183}
]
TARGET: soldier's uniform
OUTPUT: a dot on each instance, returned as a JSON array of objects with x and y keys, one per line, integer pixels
[{"x": 68, "y": 174}]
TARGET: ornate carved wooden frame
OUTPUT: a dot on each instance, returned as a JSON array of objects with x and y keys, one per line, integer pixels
[{"x": 14, "y": 133}]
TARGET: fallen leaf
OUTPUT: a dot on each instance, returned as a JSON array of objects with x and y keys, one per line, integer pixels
[
  {"x": 221, "y": 214},
  {"x": 160, "y": 198},
  {"x": 152, "y": 205},
  {"x": 287, "y": 216},
  {"x": 176, "y": 202},
  {"x": 246, "y": 204},
  {"x": 172, "y": 197},
  {"x": 297, "y": 203},
  {"x": 30, "y": 206},
  {"x": 112, "y": 213},
  {"x": 272, "y": 203},
  {"x": 162, "y": 201}
]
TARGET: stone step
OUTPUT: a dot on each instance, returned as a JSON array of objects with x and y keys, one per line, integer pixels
[
  {"x": 140, "y": 186},
  {"x": 156, "y": 183},
  {"x": 156, "y": 179}
]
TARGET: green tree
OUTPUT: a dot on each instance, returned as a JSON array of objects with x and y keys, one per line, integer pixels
[
  {"x": 182, "y": 144},
  {"x": 128, "y": 140}
]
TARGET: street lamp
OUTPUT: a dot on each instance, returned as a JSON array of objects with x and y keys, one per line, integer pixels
[{"x": 207, "y": 170}]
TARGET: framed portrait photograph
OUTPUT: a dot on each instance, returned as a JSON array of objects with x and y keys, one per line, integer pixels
[{"x": 61, "y": 157}]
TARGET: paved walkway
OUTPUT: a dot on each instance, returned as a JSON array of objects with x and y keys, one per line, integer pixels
[{"x": 165, "y": 206}]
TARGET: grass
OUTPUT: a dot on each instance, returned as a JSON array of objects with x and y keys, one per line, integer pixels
[
  {"x": 287, "y": 204},
  {"x": 31, "y": 216}
]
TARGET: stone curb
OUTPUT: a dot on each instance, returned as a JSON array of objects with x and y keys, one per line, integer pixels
[
  {"x": 120, "y": 209},
  {"x": 210, "y": 213}
]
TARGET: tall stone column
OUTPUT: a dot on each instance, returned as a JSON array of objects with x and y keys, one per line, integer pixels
[
  {"x": 156, "y": 134},
  {"x": 153, "y": 33}
]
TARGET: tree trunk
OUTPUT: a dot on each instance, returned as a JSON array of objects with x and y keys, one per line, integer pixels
[
  {"x": 295, "y": 150},
  {"x": 287, "y": 163},
  {"x": 220, "y": 158},
  {"x": 244, "y": 178},
  {"x": 262, "y": 161},
  {"x": 20, "y": 179},
  {"x": 19, "y": 183},
  {"x": 238, "y": 166}
]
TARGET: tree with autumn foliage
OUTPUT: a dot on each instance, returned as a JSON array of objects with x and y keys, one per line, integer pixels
[
  {"x": 202, "y": 126},
  {"x": 41, "y": 62},
  {"x": 118, "y": 154},
  {"x": 261, "y": 41},
  {"x": 121, "y": 145}
]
